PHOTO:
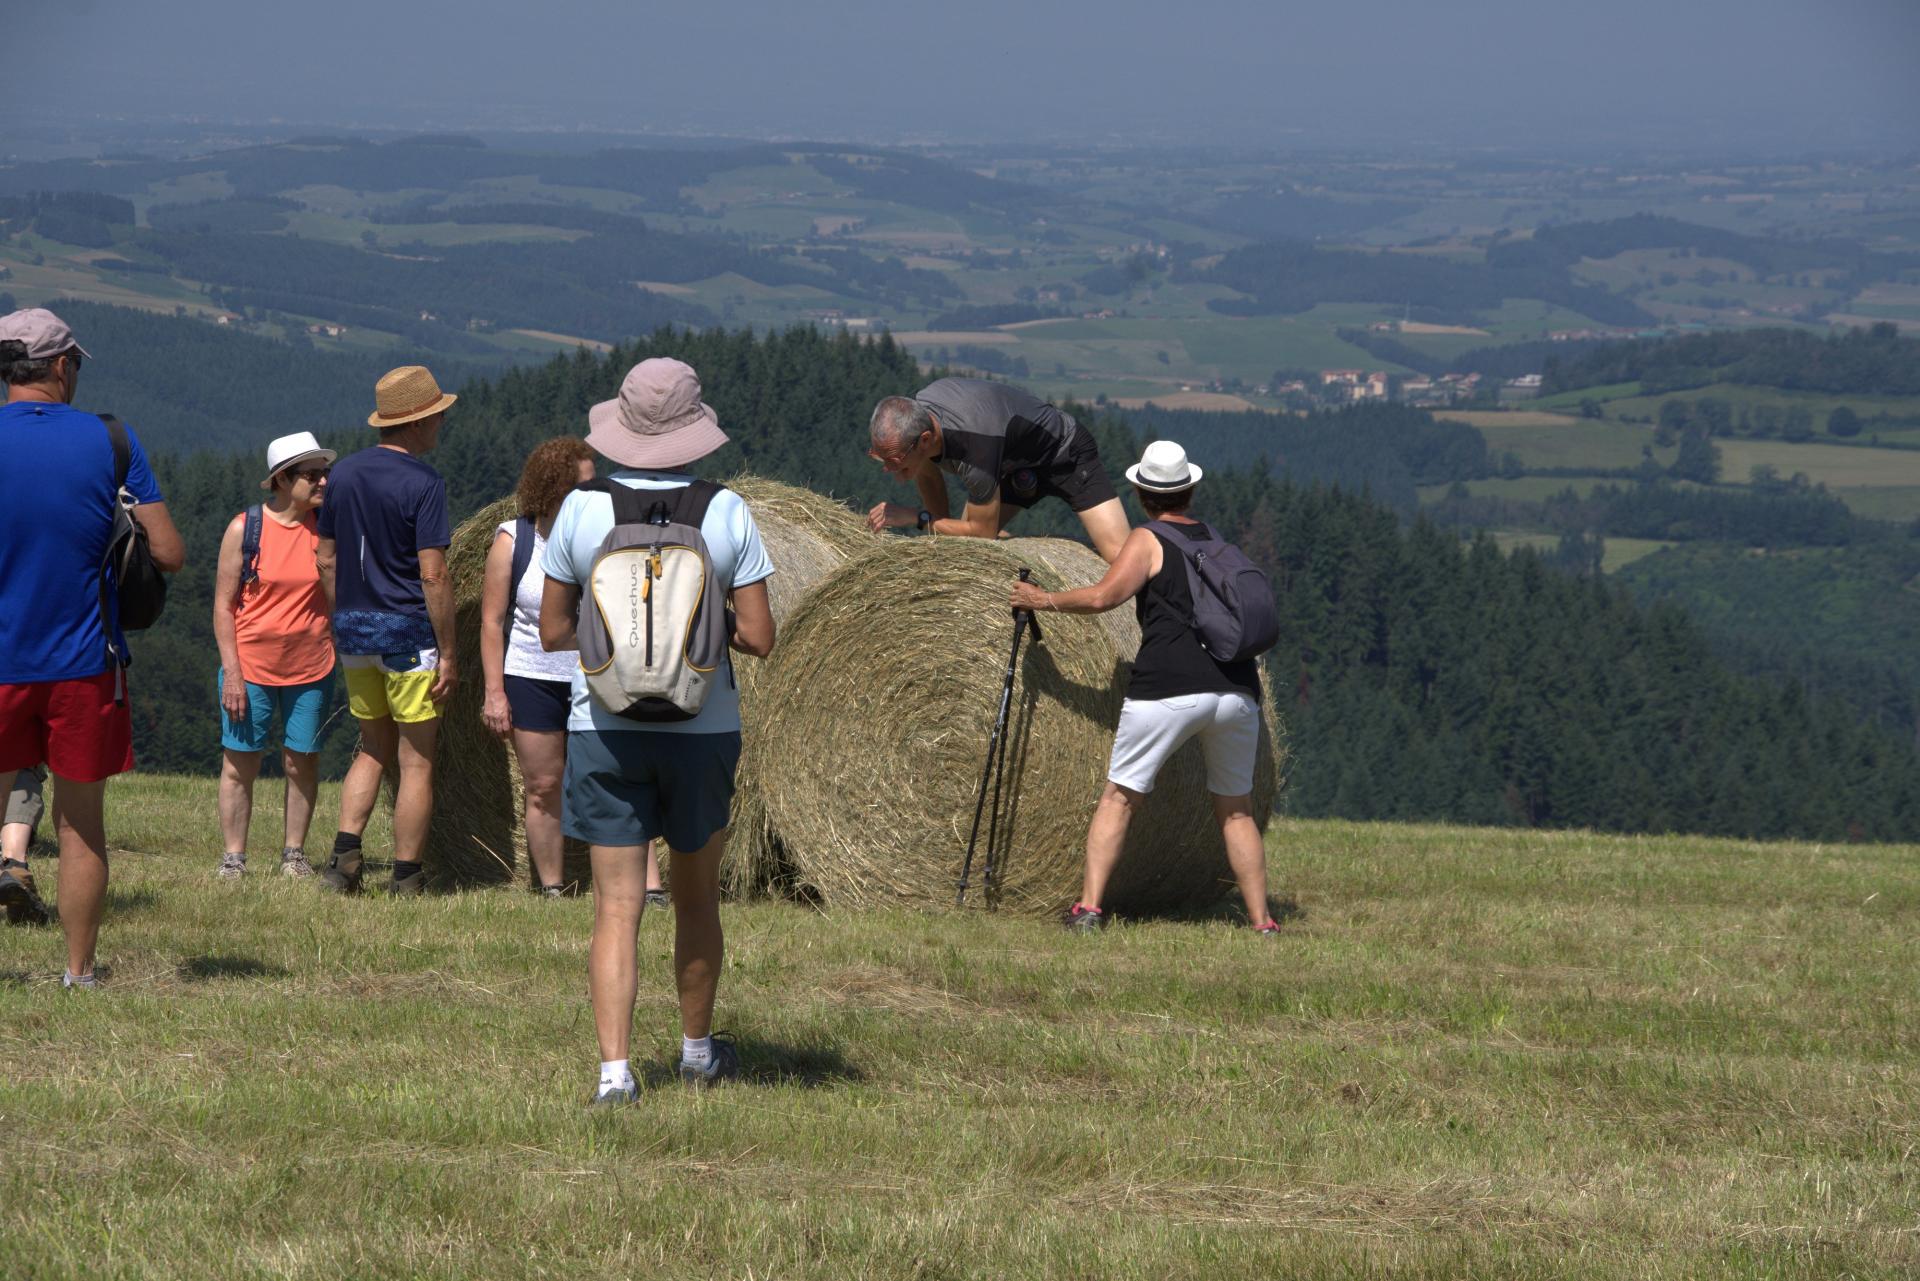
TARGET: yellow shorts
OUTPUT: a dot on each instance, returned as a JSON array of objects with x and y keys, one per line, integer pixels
[{"x": 392, "y": 685}]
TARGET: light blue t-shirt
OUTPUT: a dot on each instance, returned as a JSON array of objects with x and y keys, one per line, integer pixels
[{"x": 739, "y": 558}]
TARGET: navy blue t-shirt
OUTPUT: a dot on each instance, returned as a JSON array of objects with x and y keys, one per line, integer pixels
[
  {"x": 55, "y": 520},
  {"x": 382, "y": 507}
]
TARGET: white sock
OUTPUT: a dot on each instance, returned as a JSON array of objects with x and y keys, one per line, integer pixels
[
  {"x": 696, "y": 1051},
  {"x": 615, "y": 1075}
]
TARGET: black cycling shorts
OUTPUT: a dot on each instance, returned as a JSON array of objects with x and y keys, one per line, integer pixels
[{"x": 1079, "y": 479}]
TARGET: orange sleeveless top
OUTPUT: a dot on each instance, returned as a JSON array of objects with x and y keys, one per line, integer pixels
[{"x": 281, "y": 625}]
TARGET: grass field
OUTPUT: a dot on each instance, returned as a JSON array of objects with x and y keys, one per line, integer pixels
[{"x": 1471, "y": 1053}]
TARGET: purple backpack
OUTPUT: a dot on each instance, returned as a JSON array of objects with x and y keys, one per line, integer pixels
[{"x": 1234, "y": 616}]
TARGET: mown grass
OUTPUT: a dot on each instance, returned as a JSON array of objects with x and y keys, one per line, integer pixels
[{"x": 1475, "y": 1053}]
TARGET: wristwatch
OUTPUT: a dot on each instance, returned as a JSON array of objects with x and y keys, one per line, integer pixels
[{"x": 926, "y": 519}]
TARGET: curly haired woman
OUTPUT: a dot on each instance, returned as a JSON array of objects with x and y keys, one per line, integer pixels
[{"x": 529, "y": 690}]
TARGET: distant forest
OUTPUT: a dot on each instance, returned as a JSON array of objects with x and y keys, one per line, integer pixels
[
  {"x": 1871, "y": 361},
  {"x": 1286, "y": 277},
  {"x": 1418, "y": 677}
]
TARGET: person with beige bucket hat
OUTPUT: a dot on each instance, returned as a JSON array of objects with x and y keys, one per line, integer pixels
[
  {"x": 633, "y": 781},
  {"x": 384, "y": 533}
]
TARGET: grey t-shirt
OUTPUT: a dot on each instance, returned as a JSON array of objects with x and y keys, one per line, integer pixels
[{"x": 990, "y": 430}]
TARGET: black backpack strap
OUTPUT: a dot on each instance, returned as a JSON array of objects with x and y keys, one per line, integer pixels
[
  {"x": 250, "y": 544},
  {"x": 109, "y": 583},
  {"x": 522, "y": 558},
  {"x": 686, "y": 505},
  {"x": 693, "y": 501},
  {"x": 122, "y": 452}
]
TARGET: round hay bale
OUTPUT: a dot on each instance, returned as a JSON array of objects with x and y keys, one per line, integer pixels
[
  {"x": 876, "y": 711},
  {"x": 808, "y": 536},
  {"x": 477, "y": 836}
]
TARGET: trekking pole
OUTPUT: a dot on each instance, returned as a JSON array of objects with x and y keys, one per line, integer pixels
[{"x": 996, "y": 751}]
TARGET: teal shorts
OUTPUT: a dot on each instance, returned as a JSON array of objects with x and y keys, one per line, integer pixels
[
  {"x": 628, "y": 787},
  {"x": 302, "y": 710}
]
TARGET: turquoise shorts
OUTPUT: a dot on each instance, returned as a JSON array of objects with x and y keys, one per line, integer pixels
[{"x": 302, "y": 710}]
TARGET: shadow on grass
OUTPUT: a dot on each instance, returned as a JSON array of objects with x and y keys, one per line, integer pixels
[
  {"x": 1284, "y": 909},
  {"x": 763, "y": 1062},
  {"x": 121, "y": 901},
  {"x": 200, "y": 969}
]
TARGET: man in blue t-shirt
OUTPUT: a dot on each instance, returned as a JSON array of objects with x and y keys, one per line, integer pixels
[
  {"x": 383, "y": 566},
  {"x": 630, "y": 782},
  {"x": 62, "y": 698}
]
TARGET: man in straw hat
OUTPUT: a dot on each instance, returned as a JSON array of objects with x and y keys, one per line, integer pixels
[
  {"x": 1177, "y": 691},
  {"x": 62, "y": 703},
  {"x": 1009, "y": 450},
  {"x": 629, "y": 782},
  {"x": 392, "y": 604}
]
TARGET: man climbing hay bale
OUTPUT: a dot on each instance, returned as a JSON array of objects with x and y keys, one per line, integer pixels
[{"x": 1009, "y": 449}]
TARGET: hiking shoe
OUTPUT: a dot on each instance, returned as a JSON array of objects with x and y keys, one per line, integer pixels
[
  {"x": 657, "y": 898},
  {"x": 78, "y": 980},
  {"x": 1268, "y": 927},
  {"x": 294, "y": 863},
  {"x": 1086, "y": 920},
  {"x": 409, "y": 886},
  {"x": 553, "y": 891},
  {"x": 723, "y": 1066},
  {"x": 617, "y": 1097},
  {"x": 232, "y": 866},
  {"x": 340, "y": 878},
  {"x": 23, "y": 904}
]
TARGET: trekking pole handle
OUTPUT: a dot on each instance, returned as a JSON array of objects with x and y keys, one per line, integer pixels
[{"x": 1026, "y": 615}]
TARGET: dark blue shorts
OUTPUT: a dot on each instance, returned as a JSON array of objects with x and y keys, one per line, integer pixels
[
  {"x": 538, "y": 704},
  {"x": 628, "y": 787}
]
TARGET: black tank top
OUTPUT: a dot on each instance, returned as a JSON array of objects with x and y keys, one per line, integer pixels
[{"x": 1171, "y": 661}]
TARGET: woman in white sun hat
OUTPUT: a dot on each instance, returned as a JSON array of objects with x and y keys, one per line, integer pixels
[
  {"x": 1177, "y": 690},
  {"x": 270, "y": 621}
]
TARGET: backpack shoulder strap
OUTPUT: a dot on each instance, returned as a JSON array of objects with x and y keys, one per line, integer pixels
[
  {"x": 693, "y": 501},
  {"x": 122, "y": 452},
  {"x": 1172, "y": 533},
  {"x": 523, "y": 533},
  {"x": 250, "y": 544}
]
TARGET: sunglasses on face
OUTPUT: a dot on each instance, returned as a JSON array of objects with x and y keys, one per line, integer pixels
[{"x": 312, "y": 474}]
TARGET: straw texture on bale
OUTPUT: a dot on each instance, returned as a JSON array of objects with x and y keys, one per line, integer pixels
[
  {"x": 874, "y": 719},
  {"x": 477, "y": 835},
  {"x": 807, "y": 536}
]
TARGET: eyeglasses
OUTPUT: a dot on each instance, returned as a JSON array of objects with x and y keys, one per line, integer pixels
[{"x": 313, "y": 474}]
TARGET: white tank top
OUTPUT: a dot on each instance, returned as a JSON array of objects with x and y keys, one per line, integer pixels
[{"x": 525, "y": 658}]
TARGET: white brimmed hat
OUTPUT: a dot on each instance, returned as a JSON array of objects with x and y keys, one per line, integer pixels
[
  {"x": 1164, "y": 469},
  {"x": 288, "y": 450}
]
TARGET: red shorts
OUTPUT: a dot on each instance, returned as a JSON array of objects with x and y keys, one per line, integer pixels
[{"x": 72, "y": 727}]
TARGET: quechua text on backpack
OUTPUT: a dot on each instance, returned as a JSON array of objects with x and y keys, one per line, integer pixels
[
  {"x": 1234, "y": 614},
  {"x": 653, "y": 625}
]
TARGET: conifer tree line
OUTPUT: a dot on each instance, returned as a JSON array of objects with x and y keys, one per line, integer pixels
[{"x": 1419, "y": 677}]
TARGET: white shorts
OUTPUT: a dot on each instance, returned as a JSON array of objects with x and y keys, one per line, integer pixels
[{"x": 1151, "y": 730}]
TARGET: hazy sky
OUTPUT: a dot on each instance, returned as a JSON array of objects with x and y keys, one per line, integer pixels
[{"x": 1681, "y": 73}]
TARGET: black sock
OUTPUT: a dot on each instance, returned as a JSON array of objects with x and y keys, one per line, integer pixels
[
  {"x": 345, "y": 843},
  {"x": 405, "y": 871}
]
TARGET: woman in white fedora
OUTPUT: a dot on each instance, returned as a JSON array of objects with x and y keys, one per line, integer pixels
[
  {"x": 271, "y": 623},
  {"x": 1177, "y": 691}
]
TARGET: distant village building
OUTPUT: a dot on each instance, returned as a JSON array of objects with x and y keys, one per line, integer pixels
[
  {"x": 226, "y": 318},
  {"x": 1525, "y": 387},
  {"x": 326, "y": 329}
]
